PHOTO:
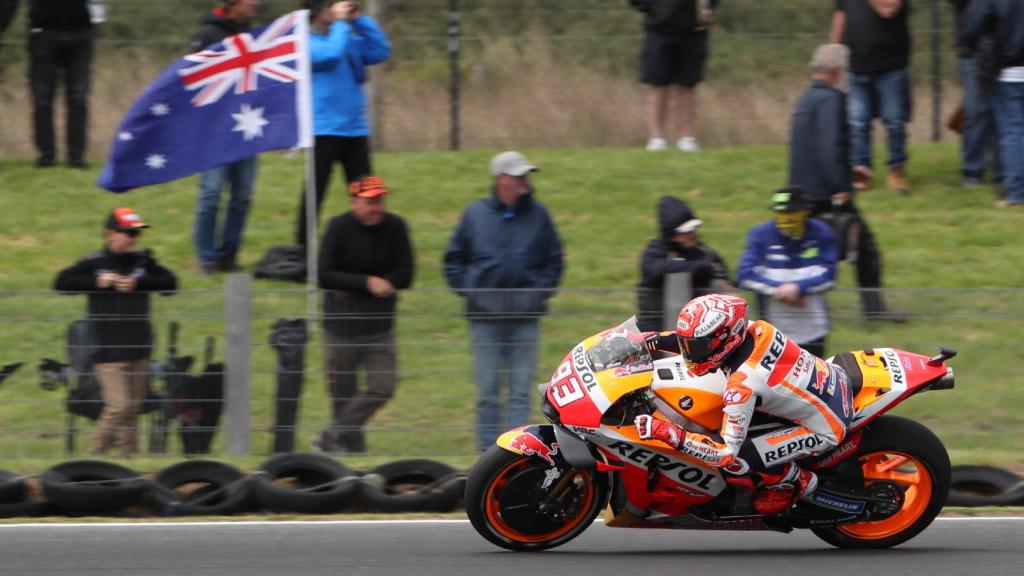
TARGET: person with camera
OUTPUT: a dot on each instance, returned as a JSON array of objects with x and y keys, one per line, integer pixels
[
  {"x": 118, "y": 281},
  {"x": 343, "y": 43},
  {"x": 818, "y": 165}
]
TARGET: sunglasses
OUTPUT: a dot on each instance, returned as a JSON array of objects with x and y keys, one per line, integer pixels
[{"x": 131, "y": 233}]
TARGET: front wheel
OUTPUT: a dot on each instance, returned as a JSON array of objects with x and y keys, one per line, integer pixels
[
  {"x": 906, "y": 453},
  {"x": 517, "y": 502}
]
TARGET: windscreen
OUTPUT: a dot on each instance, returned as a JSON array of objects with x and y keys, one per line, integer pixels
[{"x": 620, "y": 347}]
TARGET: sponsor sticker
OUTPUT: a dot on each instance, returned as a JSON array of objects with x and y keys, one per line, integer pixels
[
  {"x": 837, "y": 503},
  {"x": 736, "y": 394}
]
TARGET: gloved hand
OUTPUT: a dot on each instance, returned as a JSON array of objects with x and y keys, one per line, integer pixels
[{"x": 650, "y": 427}]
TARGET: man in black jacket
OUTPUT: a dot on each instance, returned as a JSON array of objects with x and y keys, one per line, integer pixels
[
  {"x": 119, "y": 280},
  {"x": 674, "y": 51},
  {"x": 1006, "y": 19},
  {"x": 818, "y": 163},
  {"x": 214, "y": 254},
  {"x": 365, "y": 259},
  {"x": 978, "y": 132},
  {"x": 677, "y": 249},
  {"x": 60, "y": 39}
]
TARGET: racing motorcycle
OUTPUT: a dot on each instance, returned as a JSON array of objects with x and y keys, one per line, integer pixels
[{"x": 540, "y": 486}]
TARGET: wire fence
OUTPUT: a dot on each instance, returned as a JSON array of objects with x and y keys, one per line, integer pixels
[
  {"x": 504, "y": 73},
  {"x": 432, "y": 411}
]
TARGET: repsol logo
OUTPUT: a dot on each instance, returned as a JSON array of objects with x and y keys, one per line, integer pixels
[
  {"x": 775, "y": 350},
  {"x": 684, "y": 473},
  {"x": 805, "y": 443},
  {"x": 579, "y": 362},
  {"x": 892, "y": 362}
]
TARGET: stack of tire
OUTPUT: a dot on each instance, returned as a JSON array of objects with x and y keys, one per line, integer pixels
[
  {"x": 976, "y": 486},
  {"x": 290, "y": 483}
]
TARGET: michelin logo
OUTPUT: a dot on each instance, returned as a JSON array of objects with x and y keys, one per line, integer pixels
[{"x": 837, "y": 503}]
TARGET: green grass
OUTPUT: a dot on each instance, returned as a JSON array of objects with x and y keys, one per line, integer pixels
[{"x": 946, "y": 252}]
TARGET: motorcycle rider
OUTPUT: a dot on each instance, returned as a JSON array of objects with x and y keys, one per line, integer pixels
[{"x": 768, "y": 373}]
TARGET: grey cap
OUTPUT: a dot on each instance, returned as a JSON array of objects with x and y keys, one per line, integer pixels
[{"x": 512, "y": 163}]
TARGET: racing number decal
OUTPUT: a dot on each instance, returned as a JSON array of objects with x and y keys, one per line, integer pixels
[{"x": 566, "y": 388}]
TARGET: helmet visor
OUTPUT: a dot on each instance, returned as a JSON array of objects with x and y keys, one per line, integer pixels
[{"x": 697, "y": 349}]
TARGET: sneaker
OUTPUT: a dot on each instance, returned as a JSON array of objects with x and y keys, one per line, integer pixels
[
  {"x": 688, "y": 144},
  {"x": 45, "y": 163},
  {"x": 971, "y": 181},
  {"x": 1006, "y": 204},
  {"x": 894, "y": 316},
  {"x": 656, "y": 145},
  {"x": 896, "y": 180},
  {"x": 861, "y": 176},
  {"x": 208, "y": 268}
]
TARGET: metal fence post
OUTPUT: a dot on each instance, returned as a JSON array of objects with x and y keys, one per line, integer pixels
[
  {"x": 454, "y": 48},
  {"x": 375, "y": 87},
  {"x": 936, "y": 70},
  {"x": 237, "y": 335},
  {"x": 678, "y": 290}
]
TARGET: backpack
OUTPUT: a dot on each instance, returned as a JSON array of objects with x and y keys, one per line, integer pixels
[{"x": 283, "y": 263}]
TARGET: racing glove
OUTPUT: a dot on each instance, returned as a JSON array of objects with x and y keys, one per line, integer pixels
[{"x": 650, "y": 427}]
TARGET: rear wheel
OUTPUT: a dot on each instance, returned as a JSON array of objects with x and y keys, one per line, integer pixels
[
  {"x": 516, "y": 501},
  {"x": 907, "y": 454}
]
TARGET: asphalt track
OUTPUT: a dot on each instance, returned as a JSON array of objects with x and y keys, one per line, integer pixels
[{"x": 951, "y": 546}]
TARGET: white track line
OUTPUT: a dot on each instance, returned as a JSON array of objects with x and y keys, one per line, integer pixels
[{"x": 371, "y": 522}]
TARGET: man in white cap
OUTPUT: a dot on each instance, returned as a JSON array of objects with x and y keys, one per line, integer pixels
[{"x": 505, "y": 259}]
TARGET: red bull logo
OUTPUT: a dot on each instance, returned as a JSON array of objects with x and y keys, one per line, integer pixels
[{"x": 530, "y": 445}]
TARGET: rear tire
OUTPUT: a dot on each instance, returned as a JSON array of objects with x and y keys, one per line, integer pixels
[
  {"x": 908, "y": 453},
  {"x": 503, "y": 493}
]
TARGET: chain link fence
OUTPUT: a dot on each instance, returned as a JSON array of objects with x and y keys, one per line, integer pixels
[{"x": 509, "y": 73}]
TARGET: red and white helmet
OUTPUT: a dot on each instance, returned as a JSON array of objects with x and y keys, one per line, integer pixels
[{"x": 709, "y": 328}]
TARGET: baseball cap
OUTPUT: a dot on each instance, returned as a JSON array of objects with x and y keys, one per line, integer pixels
[
  {"x": 689, "y": 226},
  {"x": 368, "y": 187},
  {"x": 790, "y": 199},
  {"x": 512, "y": 163},
  {"x": 124, "y": 218}
]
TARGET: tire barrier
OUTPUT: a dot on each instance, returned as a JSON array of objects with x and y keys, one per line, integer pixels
[
  {"x": 12, "y": 487},
  {"x": 305, "y": 483},
  {"x": 413, "y": 486},
  {"x": 201, "y": 488},
  {"x": 91, "y": 487},
  {"x": 974, "y": 486}
]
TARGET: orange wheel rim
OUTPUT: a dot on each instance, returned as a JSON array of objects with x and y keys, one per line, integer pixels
[
  {"x": 493, "y": 511},
  {"x": 912, "y": 476}
]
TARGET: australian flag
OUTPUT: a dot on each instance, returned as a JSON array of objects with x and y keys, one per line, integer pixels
[{"x": 233, "y": 100}]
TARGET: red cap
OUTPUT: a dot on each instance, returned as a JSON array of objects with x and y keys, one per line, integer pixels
[
  {"x": 125, "y": 218},
  {"x": 368, "y": 187}
]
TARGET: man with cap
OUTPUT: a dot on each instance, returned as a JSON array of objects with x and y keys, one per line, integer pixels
[
  {"x": 118, "y": 281},
  {"x": 790, "y": 262},
  {"x": 678, "y": 249},
  {"x": 505, "y": 259},
  {"x": 366, "y": 257}
]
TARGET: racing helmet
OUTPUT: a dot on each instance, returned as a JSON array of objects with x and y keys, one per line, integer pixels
[{"x": 709, "y": 329}]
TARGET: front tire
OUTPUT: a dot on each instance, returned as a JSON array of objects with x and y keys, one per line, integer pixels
[
  {"x": 505, "y": 493},
  {"x": 905, "y": 452}
]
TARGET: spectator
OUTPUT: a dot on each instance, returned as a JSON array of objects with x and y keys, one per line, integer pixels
[
  {"x": 365, "y": 258},
  {"x": 7, "y": 10},
  {"x": 818, "y": 165},
  {"x": 342, "y": 43},
  {"x": 1006, "y": 19},
  {"x": 505, "y": 259},
  {"x": 678, "y": 249},
  {"x": 790, "y": 262},
  {"x": 231, "y": 18},
  {"x": 878, "y": 34},
  {"x": 978, "y": 132},
  {"x": 673, "y": 54},
  {"x": 60, "y": 39},
  {"x": 119, "y": 280}
]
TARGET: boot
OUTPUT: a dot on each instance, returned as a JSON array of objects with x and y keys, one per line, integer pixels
[
  {"x": 897, "y": 180},
  {"x": 861, "y": 176},
  {"x": 778, "y": 493},
  {"x": 875, "y": 309}
]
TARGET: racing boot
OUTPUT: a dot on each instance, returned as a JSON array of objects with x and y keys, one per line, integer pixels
[{"x": 780, "y": 491}]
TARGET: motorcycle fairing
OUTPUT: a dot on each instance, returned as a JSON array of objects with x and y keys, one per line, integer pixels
[
  {"x": 537, "y": 440},
  {"x": 889, "y": 376}
]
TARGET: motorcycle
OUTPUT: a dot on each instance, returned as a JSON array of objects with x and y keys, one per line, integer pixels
[{"x": 540, "y": 486}]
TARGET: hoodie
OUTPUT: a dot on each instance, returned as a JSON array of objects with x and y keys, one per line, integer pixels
[{"x": 663, "y": 256}]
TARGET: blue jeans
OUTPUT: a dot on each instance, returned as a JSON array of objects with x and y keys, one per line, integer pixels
[
  {"x": 241, "y": 175},
  {"x": 502, "y": 350},
  {"x": 884, "y": 94},
  {"x": 979, "y": 130},
  {"x": 1008, "y": 104}
]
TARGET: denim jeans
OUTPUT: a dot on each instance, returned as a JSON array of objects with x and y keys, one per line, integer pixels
[
  {"x": 880, "y": 94},
  {"x": 502, "y": 351},
  {"x": 241, "y": 175},
  {"x": 1009, "y": 107},
  {"x": 979, "y": 130},
  {"x": 52, "y": 52}
]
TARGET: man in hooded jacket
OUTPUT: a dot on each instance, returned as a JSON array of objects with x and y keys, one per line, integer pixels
[{"x": 678, "y": 249}]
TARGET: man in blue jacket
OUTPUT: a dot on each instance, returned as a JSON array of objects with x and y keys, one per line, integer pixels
[
  {"x": 343, "y": 42},
  {"x": 505, "y": 259},
  {"x": 790, "y": 262}
]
